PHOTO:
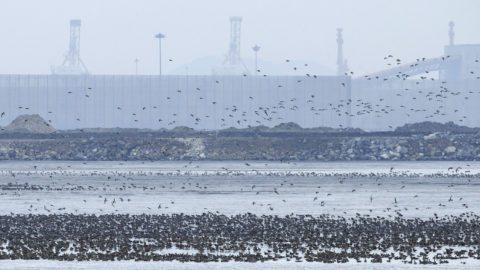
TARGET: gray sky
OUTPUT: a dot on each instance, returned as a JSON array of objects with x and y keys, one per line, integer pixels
[{"x": 115, "y": 32}]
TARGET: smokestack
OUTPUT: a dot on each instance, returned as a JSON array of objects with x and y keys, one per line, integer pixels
[
  {"x": 341, "y": 65},
  {"x": 235, "y": 33},
  {"x": 451, "y": 33}
]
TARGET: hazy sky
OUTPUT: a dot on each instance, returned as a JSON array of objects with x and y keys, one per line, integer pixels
[{"x": 115, "y": 32}]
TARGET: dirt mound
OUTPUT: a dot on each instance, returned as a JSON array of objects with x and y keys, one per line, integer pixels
[
  {"x": 29, "y": 123},
  {"x": 290, "y": 126},
  {"x": 429, "y": 127}
]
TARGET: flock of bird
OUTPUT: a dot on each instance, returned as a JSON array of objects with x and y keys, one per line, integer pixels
[
  {"x": 162, "y": 232},
  {"x": 213, "y": 237},
  {"x": 112, "y": 191},
  {"x": 419, "y": 101},
  {"x": 141, "y": 215}
]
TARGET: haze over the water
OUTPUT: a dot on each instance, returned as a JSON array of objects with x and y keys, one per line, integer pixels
[{"x": 115, "y": 32}]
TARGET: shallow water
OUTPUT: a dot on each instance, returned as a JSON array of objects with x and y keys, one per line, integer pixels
[
  {"x": 135, "y": 188},
  {"x": 410, "y": 189},
  {"x": 131, "y": 265}
]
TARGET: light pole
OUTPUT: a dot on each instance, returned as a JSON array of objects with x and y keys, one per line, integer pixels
[
  {"x": 160, "y": 36},
  {"x": 136, "y": 66},
  {"x": 255, "y": 49}
]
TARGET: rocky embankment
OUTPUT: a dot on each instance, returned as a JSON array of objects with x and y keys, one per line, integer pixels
[
  {"x": 422, "y": 141},
  {"x": 204, "y": 146}
]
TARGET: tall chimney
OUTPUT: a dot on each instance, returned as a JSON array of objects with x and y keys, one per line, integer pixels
[
  {"x": 451, "y": 33},
  {"x": 340, "y": 61}
]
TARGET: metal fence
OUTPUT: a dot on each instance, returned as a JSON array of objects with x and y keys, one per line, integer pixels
[{"x": 202, "y": 102}]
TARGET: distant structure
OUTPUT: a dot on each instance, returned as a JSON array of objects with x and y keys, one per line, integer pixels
[
  {"x": 451, "y": 33},
  {"x": 233, "y": 64},
  {"x": 255, "y": 49},
  {"x": 456, "y": 64},
  {"x": 136, "y": 65},
  {"x": 73, "y": 64},
  {"x": 160, "y": 36},
  {"x": 342, "y": 67},
  {"x": 233, "y": 57}
]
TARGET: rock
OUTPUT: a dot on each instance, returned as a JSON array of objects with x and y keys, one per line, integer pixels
[
  {"x": 401, "y": 149},
  {"x": 431, "y": 136},
  {"x": 450, "y": 149}
]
